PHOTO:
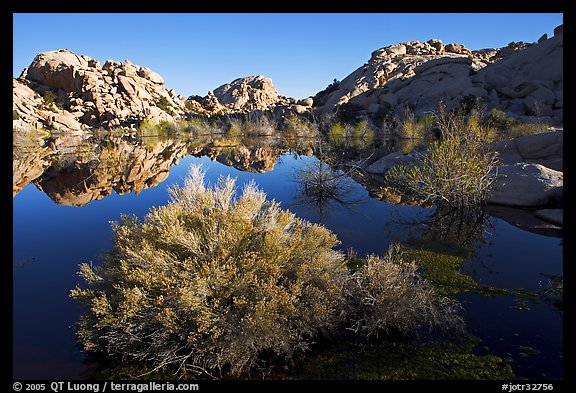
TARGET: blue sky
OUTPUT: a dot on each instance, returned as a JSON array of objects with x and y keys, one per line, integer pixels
[{"x": 302, "y": 53}]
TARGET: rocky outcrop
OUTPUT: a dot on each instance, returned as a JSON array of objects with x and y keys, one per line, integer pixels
[
  {"x": 392, "y": 65},
  {"x": 525, "y": 81},
  {"x": 245, "y": 95},
  {"x": 527, "y": 185},
  {"x": 61, "y": 90},
  {"x": 545, "y": 149}
]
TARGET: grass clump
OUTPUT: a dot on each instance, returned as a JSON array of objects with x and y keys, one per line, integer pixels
[
  {"x": 212, "y": 281},
  {"x": 299, "y": 127}
]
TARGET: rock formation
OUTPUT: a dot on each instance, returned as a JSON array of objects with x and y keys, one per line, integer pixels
[
  {"x": 391, "y": 65},
  {"x": 522, "y": 80},
  {"x": 61, "y": 90},
  {"x": 245, "y": 95}
]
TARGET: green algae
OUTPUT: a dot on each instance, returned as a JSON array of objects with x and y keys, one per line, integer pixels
[{"x": 408, "y": 360}]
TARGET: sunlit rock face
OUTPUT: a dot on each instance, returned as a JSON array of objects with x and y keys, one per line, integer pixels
[
  {"x": 523, "y": 80},
  {"x": 63, "y": 91},
  {"x": 246, "y": 95}
]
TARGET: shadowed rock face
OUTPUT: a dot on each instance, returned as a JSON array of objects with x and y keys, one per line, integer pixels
[{"x": 90, "y": 95}]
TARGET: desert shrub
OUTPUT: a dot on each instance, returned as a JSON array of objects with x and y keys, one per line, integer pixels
[
  {"x": 388, "y": 293},
  {"x": 457, "y": 171},
  {"x": 521, "y": 129},
  {"x": 163, "y": 103},
  {"x": 197, "y": 125},
  {"x": 150, "y": 128},
  {"x": 411, "y": 128},
  {"x": 15, "y": 115},
  {"x": 258, "y": 124},
  {"x": 499, "y": 120},
  {"x": 49, "y": 97},
  {"x": 298, "y": 126},
  {"x": 212, "y": 281},
  {"x": 337, "y": 133},
  {"x": 234, "y": 128}
]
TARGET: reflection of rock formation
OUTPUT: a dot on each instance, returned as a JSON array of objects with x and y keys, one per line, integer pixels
[
  {"x": 74, "y": 170},
  {"x": 28, "y": 163},
  {"x": 248, "y": 159},
  {"x": 111, "y": 164}
]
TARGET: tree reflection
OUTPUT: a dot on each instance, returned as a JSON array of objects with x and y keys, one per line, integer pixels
[{"x": 323, "y": 186}]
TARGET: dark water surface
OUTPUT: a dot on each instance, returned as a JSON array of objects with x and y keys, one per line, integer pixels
[{"x": 51, "y": 239}]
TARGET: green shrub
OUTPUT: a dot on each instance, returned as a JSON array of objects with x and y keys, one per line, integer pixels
[
  {"x": 49, "y": 97},
  {"x": 337, "y": 133},
  {"x": 457, "y": 171},
  {"x": 298, "y": 127},
  {"x": 522, "y": 129},
  {"x": 212, "y": 281},
  {"x": 411, "y": 128},
  {"x": 15, "y": 115},
  {"x": 234, "y": 128},
  {"x": 163, "y": 103},
  {"x": 388, "y": 293},
  {"x": 499, "y": 120},
  {"x": 162, "y": 128}
]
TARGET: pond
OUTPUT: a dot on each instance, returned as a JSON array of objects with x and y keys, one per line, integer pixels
[{"x": 66, "y": 194}]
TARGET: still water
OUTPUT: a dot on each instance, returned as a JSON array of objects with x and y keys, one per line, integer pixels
[{"x": 66, "y": 196}]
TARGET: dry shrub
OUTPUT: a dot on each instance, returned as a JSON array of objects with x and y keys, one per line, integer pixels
[
  {"x": 212, "y": 281},
  {"x": 388, "y": 295}
]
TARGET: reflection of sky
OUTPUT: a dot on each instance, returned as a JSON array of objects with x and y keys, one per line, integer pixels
[{"x": 58, "y": 238}]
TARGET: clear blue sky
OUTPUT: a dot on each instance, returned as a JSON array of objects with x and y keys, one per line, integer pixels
[{"x": 302, "y": 53}]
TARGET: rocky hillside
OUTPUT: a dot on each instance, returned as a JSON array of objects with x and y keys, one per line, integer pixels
[
  {"x": 395, "y": 63},
  {"x": 61, "y": 90},
  {"x": 523, "y": 80}
]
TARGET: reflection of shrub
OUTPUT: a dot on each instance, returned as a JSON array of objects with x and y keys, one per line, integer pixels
[
  {"x": 387, "y": 293},
  {"x": 362, "y": 134},
  {"x": 211, "y": 281}
]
